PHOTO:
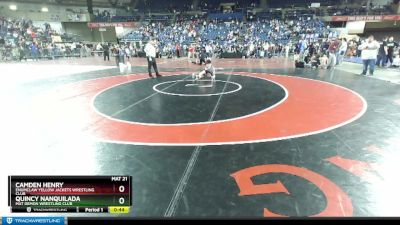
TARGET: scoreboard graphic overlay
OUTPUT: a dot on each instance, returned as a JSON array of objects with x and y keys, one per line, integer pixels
[{"x": 70, "y": 194}]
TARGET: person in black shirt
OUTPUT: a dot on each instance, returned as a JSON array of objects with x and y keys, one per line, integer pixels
[
  {"x": 315, "y": 62},
  {"x": 311, "y": 49},
  {"x": 381, "y": 60},
  {"x": 115, "y": 51},
  {"x": 390, "y": 50},
  {"x": 203, "y": 56},
  {"x": 358, "y": 52},
  {"x": 21, "y": 53},
  {"x": 106, "y": 52}
]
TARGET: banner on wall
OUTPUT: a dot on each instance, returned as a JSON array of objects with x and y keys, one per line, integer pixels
[
  {"x": 366, "y": 18},
  {"x": 103, "y": 25},
  {"x": 78, "y": 17},
  {"x": 355, "y": 27}
]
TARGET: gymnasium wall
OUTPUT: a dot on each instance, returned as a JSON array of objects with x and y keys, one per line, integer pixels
[
  {"x": 91, "y": 35},
  {"x": 381, "y": 29}
]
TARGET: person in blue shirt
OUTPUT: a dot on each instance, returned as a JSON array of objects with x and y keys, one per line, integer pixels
[{"x": 34, "y": 51}]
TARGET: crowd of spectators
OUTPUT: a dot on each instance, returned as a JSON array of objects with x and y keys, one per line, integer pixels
[
  {"x": 331, "y": 52},
  {"x": 388, "y": 54},
  {"x": 21, "y": 40},
  {"x": 249, "y": 39},
  {"x": 312, "y": 42}
]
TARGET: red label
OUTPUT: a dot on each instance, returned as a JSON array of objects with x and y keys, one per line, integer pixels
[{"x": 366, "y": 18}]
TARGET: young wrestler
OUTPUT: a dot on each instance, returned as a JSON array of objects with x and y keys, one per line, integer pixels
[{"x": 209, "y": 71}]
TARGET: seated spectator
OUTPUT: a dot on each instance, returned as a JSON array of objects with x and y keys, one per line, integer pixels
[
  {"x": 323, "y": 61},
  {"x": 315, "y": 61}
]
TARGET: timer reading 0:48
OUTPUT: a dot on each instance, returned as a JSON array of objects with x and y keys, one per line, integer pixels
[{"x": 119, "y": 210}]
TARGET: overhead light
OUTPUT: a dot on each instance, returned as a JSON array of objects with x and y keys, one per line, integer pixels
[
  {"x": 45, "y": 9},
  {"x": 13, "y": 7}
]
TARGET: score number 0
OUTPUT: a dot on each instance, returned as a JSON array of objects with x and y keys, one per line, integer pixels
[{"x": 121, "y": 200}]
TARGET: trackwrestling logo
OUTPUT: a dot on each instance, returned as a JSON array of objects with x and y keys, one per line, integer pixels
[{"x": 33, "y": 220}]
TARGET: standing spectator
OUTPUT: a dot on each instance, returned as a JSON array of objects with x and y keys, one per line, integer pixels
[
  {"x": 333, "y": 49},
  {"x": 121, "y": 55},
  {"x": 88, "y": 51},
  {"x": 287, "y": 48},
  {"x": 15, "y": 54},
  {"x": 209, "y": 50},
  {"x": 342, "y": 50},
  {"x": 358, "y": 43},
  {"x": 99, "y": 48},
  {"x": 127, "y": 52},
  {"x": 82, "y": 50},
  {"x": 303, "y": 46},
  {"x": 369, "y": 54},
  {"x": 50, "y": 51},
  {"x": 21, "y": 53},
  {"x": 203, "y": 56},
  {"x": 63, "y": 51},
  {"x": 73, "y": 48},
  {"x": 131, "y": 50},
  {"x": 150, "y": 51},
  {"x": 390, "y": 50},
  {"x": 115, "y": 53},
  {"x": 122, "y": 63},
  {"x": 178, "y": 50},
  {"x": 106, "y": 52},
  {"x": 35, "y": 51},
  {"x": 382, "y": 53},
  {"x": 158, "y": 53},
  {"x": 191, "y": 52}
]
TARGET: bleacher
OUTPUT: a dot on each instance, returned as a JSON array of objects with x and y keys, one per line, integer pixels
[
  {"x": 221, "y": 33},
  {"x": 272, "y": 14},
  {"x": 226, "y": 16},
  {"x": 298, "y": 3},
  {"x": 163, "y": 6},
  {"x": 117, "y": 18},
  {"x": 296, "y": 14},
  {"x": 348, "y": 11}
]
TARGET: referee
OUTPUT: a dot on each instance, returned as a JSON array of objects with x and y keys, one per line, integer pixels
[{"x": 150, "y": 51}]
